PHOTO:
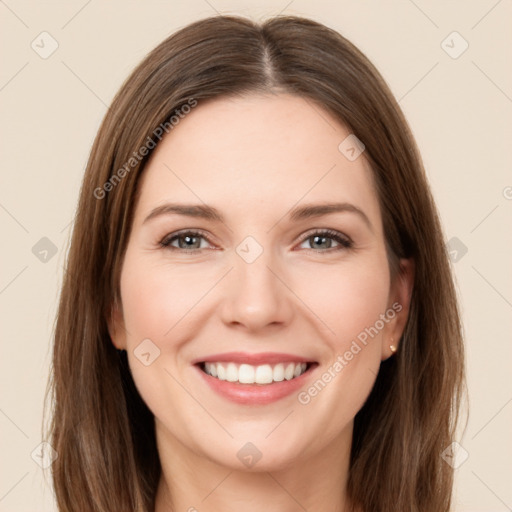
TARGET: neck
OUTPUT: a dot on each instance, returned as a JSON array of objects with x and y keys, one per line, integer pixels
[{"x": 191, "y": 483}]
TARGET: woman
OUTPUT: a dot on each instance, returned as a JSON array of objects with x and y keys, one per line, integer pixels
[{"x": 258, "y": 310}]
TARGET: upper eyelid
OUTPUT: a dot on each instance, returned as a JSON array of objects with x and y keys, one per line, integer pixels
[{"x": 331, "y": 233}]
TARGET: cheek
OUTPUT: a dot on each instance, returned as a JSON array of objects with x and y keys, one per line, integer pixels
[
  {"x": 161, "y": 304},
  {"x": 156, "y": 298},
  {"x": 350, "y": 300},
  {"x": 347, "y": 297}
]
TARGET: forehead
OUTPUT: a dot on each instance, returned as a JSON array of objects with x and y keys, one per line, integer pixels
[{"x": 269, "y": 152}]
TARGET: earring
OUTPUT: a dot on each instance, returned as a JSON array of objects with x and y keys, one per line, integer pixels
[{"x": 392, "y": 347}]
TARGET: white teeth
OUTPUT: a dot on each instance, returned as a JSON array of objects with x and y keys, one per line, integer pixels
[
  {"x": 249, "y": 374},
  {"x": 289, "y": 371},
  {"x": 246, "y": 374},
  {"x": 264, "y": 374},
  {"x": 278, "y": 372},
  {"x": 231, "y": 372},
  {"x": 221, "y": 372},
  {"x": 211, "y": 369}
]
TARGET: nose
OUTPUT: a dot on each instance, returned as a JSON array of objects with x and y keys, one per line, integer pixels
[{"x": 256, "y": 296}]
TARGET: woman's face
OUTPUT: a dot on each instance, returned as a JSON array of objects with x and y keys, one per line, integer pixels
[{"x": 235, "y": 260}]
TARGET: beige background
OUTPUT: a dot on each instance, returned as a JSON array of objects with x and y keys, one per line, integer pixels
[{"x": 460, "y": 112}]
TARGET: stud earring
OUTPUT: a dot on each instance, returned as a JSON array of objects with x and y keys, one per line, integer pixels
[{"x": 392, "y": 347}]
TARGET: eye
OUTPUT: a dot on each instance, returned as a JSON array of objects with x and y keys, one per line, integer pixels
[
  {"x": 186, "y": 241},
  {"x": 319, "y": 240},
  {"x": 324, "y": 240}
]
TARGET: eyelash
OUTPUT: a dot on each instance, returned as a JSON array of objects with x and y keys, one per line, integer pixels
[{"x": 343, "y": 241}]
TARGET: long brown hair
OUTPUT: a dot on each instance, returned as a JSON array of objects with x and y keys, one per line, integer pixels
[{"x": 100, "y": 427}]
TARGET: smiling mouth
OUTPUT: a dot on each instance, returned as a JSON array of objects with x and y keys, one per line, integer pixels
[{"x": 263, "y": 374}]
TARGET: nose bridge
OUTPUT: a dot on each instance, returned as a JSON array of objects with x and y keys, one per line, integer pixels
[{"x": 255, "y": 296}]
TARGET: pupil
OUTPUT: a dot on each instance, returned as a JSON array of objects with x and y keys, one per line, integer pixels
[
  {"x": 189, "y": 240},
  {"x": 322, "y": 238}
]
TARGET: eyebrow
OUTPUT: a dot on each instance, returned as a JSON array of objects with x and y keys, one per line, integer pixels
[{"x": 203, "y": 211}]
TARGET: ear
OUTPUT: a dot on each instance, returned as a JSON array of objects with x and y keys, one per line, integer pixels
[
  {"x": 399, "y": 303},
  {"x": 116, "y": 327}
]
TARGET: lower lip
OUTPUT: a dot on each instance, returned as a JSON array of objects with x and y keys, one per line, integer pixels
[{"x": 256, "y": 394}]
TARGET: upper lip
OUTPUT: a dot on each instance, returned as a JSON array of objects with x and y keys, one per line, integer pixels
[{"x": 253, "y": 359}]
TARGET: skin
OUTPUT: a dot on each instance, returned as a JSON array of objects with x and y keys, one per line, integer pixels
[{"x": 254, "y": 159}]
